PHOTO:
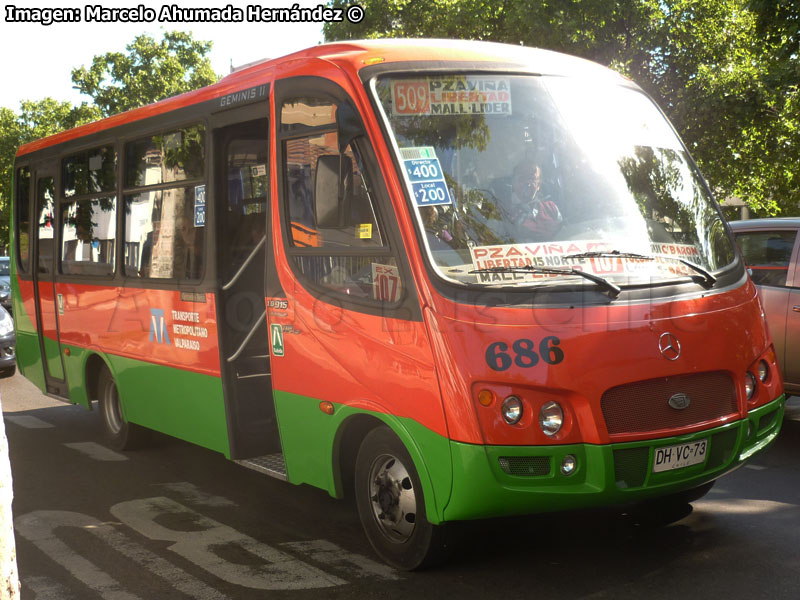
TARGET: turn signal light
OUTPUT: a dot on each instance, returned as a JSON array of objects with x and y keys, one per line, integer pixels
[{"x": 486, "y": 397}]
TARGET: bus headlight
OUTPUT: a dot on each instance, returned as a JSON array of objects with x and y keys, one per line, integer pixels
[
  {"x": 763, "y": 371},
  {"x": 512, "y": 410},
  {"x": 551, "y": 418},
  {"x": 569, "y": 464},
  {"x": 749, "y": 385}
]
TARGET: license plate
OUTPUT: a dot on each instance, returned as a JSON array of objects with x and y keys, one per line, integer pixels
[{"x": 679, "y": 456}]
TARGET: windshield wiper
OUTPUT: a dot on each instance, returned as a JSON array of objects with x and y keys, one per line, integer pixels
[
  {"x": 610, "y": 254},
  {"x": 613, "y": 290},
  {"x": 708, "y": 280}
]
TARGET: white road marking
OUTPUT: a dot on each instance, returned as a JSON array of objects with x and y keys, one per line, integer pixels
[
  {"x": 331, "y": 555},
  {"x": 28, "y": 422},
  {"x": 207, "y": 541},
  {"x": 194, "y": 495},
  {"x": 755, "y": 467},
  {"x": 96, "y": 451},
  {"x": 39, "y": 527},
  {"x": 45, "y": 588}
]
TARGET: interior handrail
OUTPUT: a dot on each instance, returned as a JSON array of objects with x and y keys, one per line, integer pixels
[
  {"x": 247, "y": 261},
  {"x": 261, "y": 319}
]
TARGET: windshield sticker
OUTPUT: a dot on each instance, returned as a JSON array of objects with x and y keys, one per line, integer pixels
[
  {"x": 427, "y": 180},
  {"x": 494, "y": 260},
  {"x": 386, "y": 285},
  {"x": 451, "y": 95}
]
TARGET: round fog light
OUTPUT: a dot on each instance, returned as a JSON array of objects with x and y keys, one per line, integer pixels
[
  {"x": 763, "y": 371},
  {"x": 569, "y": 464},
  {"x": 512, "y": 410},
  {"x": 749, "y": 385},
  {"x": 551, "y": 418}
]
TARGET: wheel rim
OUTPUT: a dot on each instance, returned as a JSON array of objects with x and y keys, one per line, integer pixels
[
  {"x": 111, "y": 409},
  {"x": 392, "y": 498}
]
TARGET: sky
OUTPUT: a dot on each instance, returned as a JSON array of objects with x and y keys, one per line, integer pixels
[{"x": 38, "y": 59}]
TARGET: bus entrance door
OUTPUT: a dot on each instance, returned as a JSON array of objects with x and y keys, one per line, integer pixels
[
  {"x": 242, "y": 175},
  {"x": 47, "y": 302}
]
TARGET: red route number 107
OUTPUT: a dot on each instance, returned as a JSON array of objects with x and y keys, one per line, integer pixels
[
  {"x": 385, "y": 283},
  {"x": 411, "y": 97}
]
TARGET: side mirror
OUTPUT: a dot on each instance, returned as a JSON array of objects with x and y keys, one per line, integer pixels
[{"x": 348, "y": 125}]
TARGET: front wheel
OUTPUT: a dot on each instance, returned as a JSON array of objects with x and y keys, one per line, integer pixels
[
  {"x": 120, "y": 434},
  {"x": 391, "y": 504}
]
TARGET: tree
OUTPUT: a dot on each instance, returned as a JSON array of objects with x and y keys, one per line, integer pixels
[
  {"x": 149, "y": 72},
  {"x": 35, "y": 120},
  {"x": 116, "y": 82},
  {"x": 726, "y": 72}
]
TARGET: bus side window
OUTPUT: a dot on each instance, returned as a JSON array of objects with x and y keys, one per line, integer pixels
[
  {"x": 165, "y": 225},
  {"x": 330, "y": 207},
  {"x": 22, "y": 216}
]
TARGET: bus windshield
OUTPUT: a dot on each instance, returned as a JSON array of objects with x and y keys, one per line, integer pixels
[{"x": 514, "y": 179}]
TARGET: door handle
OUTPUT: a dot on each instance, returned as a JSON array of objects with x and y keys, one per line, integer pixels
[{"x": 796, "y": 308}]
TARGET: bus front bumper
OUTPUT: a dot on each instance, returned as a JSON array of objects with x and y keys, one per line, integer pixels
[{"x": 493, "y": 481}]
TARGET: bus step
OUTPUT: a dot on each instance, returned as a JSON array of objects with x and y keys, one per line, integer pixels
[{"x": 271, "y": 464}]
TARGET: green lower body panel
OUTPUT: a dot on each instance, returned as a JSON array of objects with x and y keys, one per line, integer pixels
[
  {"x": 183, "y": 404},
  {"x": 492, "y": 481},
  {"x": 29, "y": 358},
  {"x": 310, "y": 440}
]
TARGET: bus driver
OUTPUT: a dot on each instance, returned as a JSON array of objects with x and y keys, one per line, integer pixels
[{"x": 529, "y": 210}]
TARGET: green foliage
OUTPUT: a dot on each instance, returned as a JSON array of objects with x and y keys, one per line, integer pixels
[
  {"x": 726, "y": 72},
  {"x": 116, "y": 82},
  {"x": 151, "y": 71},
  {"x": 35, "y": 120}
]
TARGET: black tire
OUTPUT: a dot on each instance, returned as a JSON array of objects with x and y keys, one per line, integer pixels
[
  {"x": 118, "y": 433},
  {"x": 8, "y": 372},
  {"x": 391, "y": 505}
]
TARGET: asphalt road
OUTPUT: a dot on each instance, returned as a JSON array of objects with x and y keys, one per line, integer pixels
[{"x": 178, "y": 521}]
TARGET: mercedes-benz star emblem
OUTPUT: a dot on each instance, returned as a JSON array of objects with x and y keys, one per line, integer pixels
[{"x": 669, "y": 346}]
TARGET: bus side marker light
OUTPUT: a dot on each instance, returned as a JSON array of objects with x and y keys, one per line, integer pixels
[
  {"x": 512, "y": 410},
  {"x": 486, "y": 397},
  {"x": 569, "y": 464},
  {"x": 551, "y": 418},
  {"x": 67, "y": 352},
  {"x": 326, "y": 407}
]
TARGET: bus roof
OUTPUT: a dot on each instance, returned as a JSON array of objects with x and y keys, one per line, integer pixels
[{"x": 352, "y": 55}]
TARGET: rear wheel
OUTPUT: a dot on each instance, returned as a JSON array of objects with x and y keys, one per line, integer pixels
[
  {"x": 118, "y": 432},
  {"x": 8, "y": 372},
  {"x": 391, "y": 504}
]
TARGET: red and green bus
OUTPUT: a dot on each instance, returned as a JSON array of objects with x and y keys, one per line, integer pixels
[{"x": 458, "y": 280}]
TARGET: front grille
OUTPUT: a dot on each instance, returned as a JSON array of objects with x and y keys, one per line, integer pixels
[
  {"x": 644, "y": 405},
  {"x": 525, "y": 466}
]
